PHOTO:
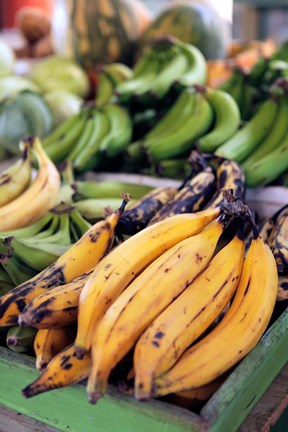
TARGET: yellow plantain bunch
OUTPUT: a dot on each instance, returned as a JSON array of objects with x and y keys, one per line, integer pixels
[{"x": 181, "y": 295}]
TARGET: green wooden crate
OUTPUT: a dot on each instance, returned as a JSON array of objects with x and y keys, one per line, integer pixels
[{"x": 68, "y": 409}]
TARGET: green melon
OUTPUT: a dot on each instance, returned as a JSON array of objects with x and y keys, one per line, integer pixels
[{"x": 192, "y": 22}]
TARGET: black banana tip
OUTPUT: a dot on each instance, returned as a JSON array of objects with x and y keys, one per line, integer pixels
[
  {"x": 79, "y": 352},
  {"x": 12, "y": 341},
  {"x": 94, "y": 397},
  {"x": 22, "y": 321},
  {"x": 26, "y": 392}
]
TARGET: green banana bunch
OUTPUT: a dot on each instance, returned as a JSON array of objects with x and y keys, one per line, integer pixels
[
  {"x": 234, "y": 84},
  {"x": 269, "y": 167},
  {"x": 108, "y": 189},
  {"x": 26, "y": 251},
  {"x": 59, "y": 143},
  {"x": 262, "y": 66},
  {"x": 107, "y": 134},
  {"x": 6, "y": 282},
  {"x": 227, "y": 120},
  {"x": 273, "y": 138},
  {"x": 167, "y": 62},
  {"x": 181, "y": 140},
  {"x": 110, "y": 76},
  {"x": 246, "y": 139}
]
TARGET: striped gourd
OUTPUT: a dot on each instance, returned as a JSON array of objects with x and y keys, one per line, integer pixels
[{"x": 98, "y": 31}]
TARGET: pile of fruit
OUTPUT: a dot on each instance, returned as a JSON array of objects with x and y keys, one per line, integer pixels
[
  {"x": 132, "y": 284},
  {"x": 107, "y": 303},
  {"x": 149, "y": 118}
]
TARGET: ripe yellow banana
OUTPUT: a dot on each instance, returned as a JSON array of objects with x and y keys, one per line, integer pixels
[
  {"x": 194, "y": 398},
  {"x": 190, "y": 198},
  {"x": 229, "y": 175},
  {"x": 279, "y": 241},
  {"x": 237, "y": 333},
  {"x": 114, "y": 273},
  {"x": 145, "y": 298},
  {"x": 58, "y": 307},
  {"x": 196, "y": 308},
  {"x": 49, "y": 342},
  {"x": 63, "y": 370},
  {"x": 15, "y": 179},
  {"x": 80, "y": 258},
  {"x": 38, "y": 198},
  {"x": 265, "y": 227},
  {"x": 282, "y": 288},
  {"x": 141, "y": 211}
]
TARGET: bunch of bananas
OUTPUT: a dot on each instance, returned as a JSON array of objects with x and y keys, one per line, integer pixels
[
  {"x": 109, "y": 77},
  {"x": 132, "y": 295},
  {"x": 25, "y": 199},
  {"x": 90, "y": 138},
  {"x": 200, "y": 115},
  {"x": 261, "y": 145},
  {"x": 27, "y": 251},
  {"x": 167, "y": 62}
]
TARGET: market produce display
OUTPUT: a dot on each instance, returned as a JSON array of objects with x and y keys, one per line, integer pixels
[{"x": 159, "y": 289}]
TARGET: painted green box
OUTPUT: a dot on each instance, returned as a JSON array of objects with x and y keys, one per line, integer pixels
[{"x": 68, "y": 410}]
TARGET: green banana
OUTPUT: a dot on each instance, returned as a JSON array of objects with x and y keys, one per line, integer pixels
[
  {"x": 30, "y": 230},
  {"x": 90, "y": 156},
  {"x": 17, "y": 270},
  {"x": 59, "y": 234},
  {"x": 91, "y": 126},
  {"x": 109, "y": 189},
  {"x": 173, "y": 168},
  {"x": 6, "y": 282},
  {"x": 93, "y": 209},
  {"x": 110, "y": 76},
  {"x": 183, "y": 140},
  {"x": 59, "y": 149},
  {"x": 244, "y": 141},
  {"x": 60, "y": 131},
  {"x": 175, "y": 116},
  {"x": 197, "y": 69},
  {"x": 105, "y": 88},
  {"x": 79, "y": 224},
  {"x": 20, "y": 339},
  {"x": 36, "y": 255},
  {"x": 118, "y": 72},
  {"x": 274, "y": 138},
  {"x": 120, "y": 132},
  {"x": 246, "y": 101},
  {"x": 170, "y": 72},
  {"x": 234, "y": 85},
  {"x": 49, "y": 231},
  {"x": 227, "y": 120},
  {"x": 268, "y": 168},
  {"x": 257, "y": 71},
  {"x": 145, "y": 69}
]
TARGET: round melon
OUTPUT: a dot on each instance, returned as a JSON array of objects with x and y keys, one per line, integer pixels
[
  {"x": 192, "y": 22},
  {"x": 98, "y": 31}
]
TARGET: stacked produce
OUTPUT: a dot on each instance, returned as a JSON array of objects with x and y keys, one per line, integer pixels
[
  {"x": 88, "y": 300},
  {"x": 41, "y": 218},
  {"x": 144, "y": 270},
  {"x": 122, "y": 282}
]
